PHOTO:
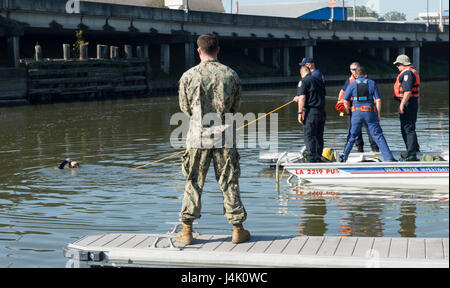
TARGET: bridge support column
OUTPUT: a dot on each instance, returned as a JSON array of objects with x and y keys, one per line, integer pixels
[
  {"x": 416, "y": 58},
  {"x": 165, "y": 58},
  {"x": 261, "y": 55},
  {"x": 401, "y": 50},
  {"x": 189, "y": 55},
  {"x": 387, "y": 54},
  {"x": 13, "y": 51},
  {"x": 309, "y": 51},
  {"x": 146, "y": 53},
  {"x": 286, "y": 61},
  {"x": 276, "y": 58}
]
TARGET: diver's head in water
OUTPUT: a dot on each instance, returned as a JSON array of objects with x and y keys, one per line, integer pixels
[{"x": 71, "y": 164}]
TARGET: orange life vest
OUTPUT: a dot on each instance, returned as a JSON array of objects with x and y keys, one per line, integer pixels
[
  {"x": 398, "y": 89},
  {"x": 351, "y": 79}
]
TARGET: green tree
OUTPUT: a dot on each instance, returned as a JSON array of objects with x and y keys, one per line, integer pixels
[
  {"x": 363, "y": 11},
  {"x": 394, "y": 16},
  {"x": 80, "y": 41},
  {"x": 156, "y": 3}
]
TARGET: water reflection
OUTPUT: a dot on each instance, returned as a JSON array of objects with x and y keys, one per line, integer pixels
[
  {"x": 407, "y": 220},
  {"x": 312, "y": 220},
  {"x": 361, "y": 213}
]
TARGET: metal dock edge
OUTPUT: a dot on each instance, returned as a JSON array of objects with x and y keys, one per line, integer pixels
[{"x": 152, "y": 250}]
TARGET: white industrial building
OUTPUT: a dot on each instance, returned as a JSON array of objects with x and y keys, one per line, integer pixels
[
  {"x": 434, "y": 17},
  {"x": 196, "y": 5}
]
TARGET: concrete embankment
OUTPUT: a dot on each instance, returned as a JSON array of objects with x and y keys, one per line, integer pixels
[
  {"x": 70, "y": 80},
  {"x": 59, "y": 80},
  {"x": 13, "y": 85}
]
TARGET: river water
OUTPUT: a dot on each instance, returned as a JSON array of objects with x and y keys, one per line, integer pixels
[{"x": 43, "y": 208}]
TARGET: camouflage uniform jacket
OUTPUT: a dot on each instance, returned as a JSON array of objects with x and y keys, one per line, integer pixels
[{"x": 208, "y": 88}]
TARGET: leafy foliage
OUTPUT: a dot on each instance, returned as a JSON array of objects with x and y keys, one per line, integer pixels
[
  {"x": 156, "y": 3},
  {"x": 80, "y": 41}
]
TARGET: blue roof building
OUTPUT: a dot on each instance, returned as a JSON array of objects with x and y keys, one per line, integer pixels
[{"x": 318, "y": 10}]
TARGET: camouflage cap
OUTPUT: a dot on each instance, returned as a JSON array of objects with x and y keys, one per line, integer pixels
[{"x": 402, "y": 59}]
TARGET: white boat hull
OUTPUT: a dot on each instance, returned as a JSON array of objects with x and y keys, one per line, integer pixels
[
  {"x": 424, "y": 173},
  {"x": 355, "y": 157}
]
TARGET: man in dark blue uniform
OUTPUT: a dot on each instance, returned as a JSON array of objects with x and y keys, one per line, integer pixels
[
  {"x": 311, "y": 113},
  {"x": 365, "y": 110},
  {"x": 309, "y": 62}
]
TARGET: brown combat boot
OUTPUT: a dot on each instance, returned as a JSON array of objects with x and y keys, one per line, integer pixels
[
  {"x": 239, "y": 234},
  {"x": 186, "y": 237}
]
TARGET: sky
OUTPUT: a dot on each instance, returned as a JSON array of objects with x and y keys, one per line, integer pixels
[{"x": 410, "y": 7}]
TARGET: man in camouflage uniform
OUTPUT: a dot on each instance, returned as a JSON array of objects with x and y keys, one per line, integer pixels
[{"x": 210, "y": 87}]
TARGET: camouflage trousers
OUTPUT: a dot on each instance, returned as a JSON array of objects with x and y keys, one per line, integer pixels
[{"x": 195, "y": 166}]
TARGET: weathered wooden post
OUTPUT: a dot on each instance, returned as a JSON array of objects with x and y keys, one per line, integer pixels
[
  {"x": 105, "y": 54},
  {"x": 102, "y": 51},
  {"x": 84, "y": 52},
  {"x": 38, "y": 52},
  {"x": 139, "y": 52},
  {"x": 66, "y": 51},
  {"x": 99, "y": 52},
  {"x": 128, "y": 49},
  {"x": 114, "y": 52}
]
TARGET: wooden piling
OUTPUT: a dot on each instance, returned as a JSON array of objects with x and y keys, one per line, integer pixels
[
  {"x": 66, "y": 51},
  {"x": 38, "y": 52},
  {"x": 113, "y": 52},
  {"x": 99, "y": 51},
  {"x": 128, "y": 49},
  {"x": 84, "y": 52},
  {"x": 139, "y": 52},
  {"x": 102, "y": 52}
]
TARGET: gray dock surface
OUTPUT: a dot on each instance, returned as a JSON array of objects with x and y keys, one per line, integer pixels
[{"x": 151, "y": 250}]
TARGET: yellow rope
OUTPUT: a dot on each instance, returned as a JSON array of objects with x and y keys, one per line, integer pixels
[
  {"x": 160, "y": 160},
  {"x": 181, "y": 152}
]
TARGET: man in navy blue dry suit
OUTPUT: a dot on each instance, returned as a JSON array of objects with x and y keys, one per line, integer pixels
[
  {"x": 311, "y": 114},
  {"x": 366, "y": 109}
]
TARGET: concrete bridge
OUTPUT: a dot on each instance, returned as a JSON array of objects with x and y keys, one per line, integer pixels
[{"x": 168, "y": 32}]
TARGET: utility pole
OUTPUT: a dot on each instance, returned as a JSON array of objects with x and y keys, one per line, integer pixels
[
  {"x": 354, "y": 10},
  {"x": 231, "y": 6},
  {"x": 428, "y": 12},
  {"x": 186, "y": 8},
  {"x": 331, "y": 5},
  {"x": 441, "y": 26},
  {"x": 343, "y": 10}
]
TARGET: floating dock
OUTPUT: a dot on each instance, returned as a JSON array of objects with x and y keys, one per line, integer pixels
[{"x": 212, "y": 251}]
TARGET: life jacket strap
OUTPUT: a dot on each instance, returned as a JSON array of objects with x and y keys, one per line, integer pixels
[{"x": 364, "y": 109}]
